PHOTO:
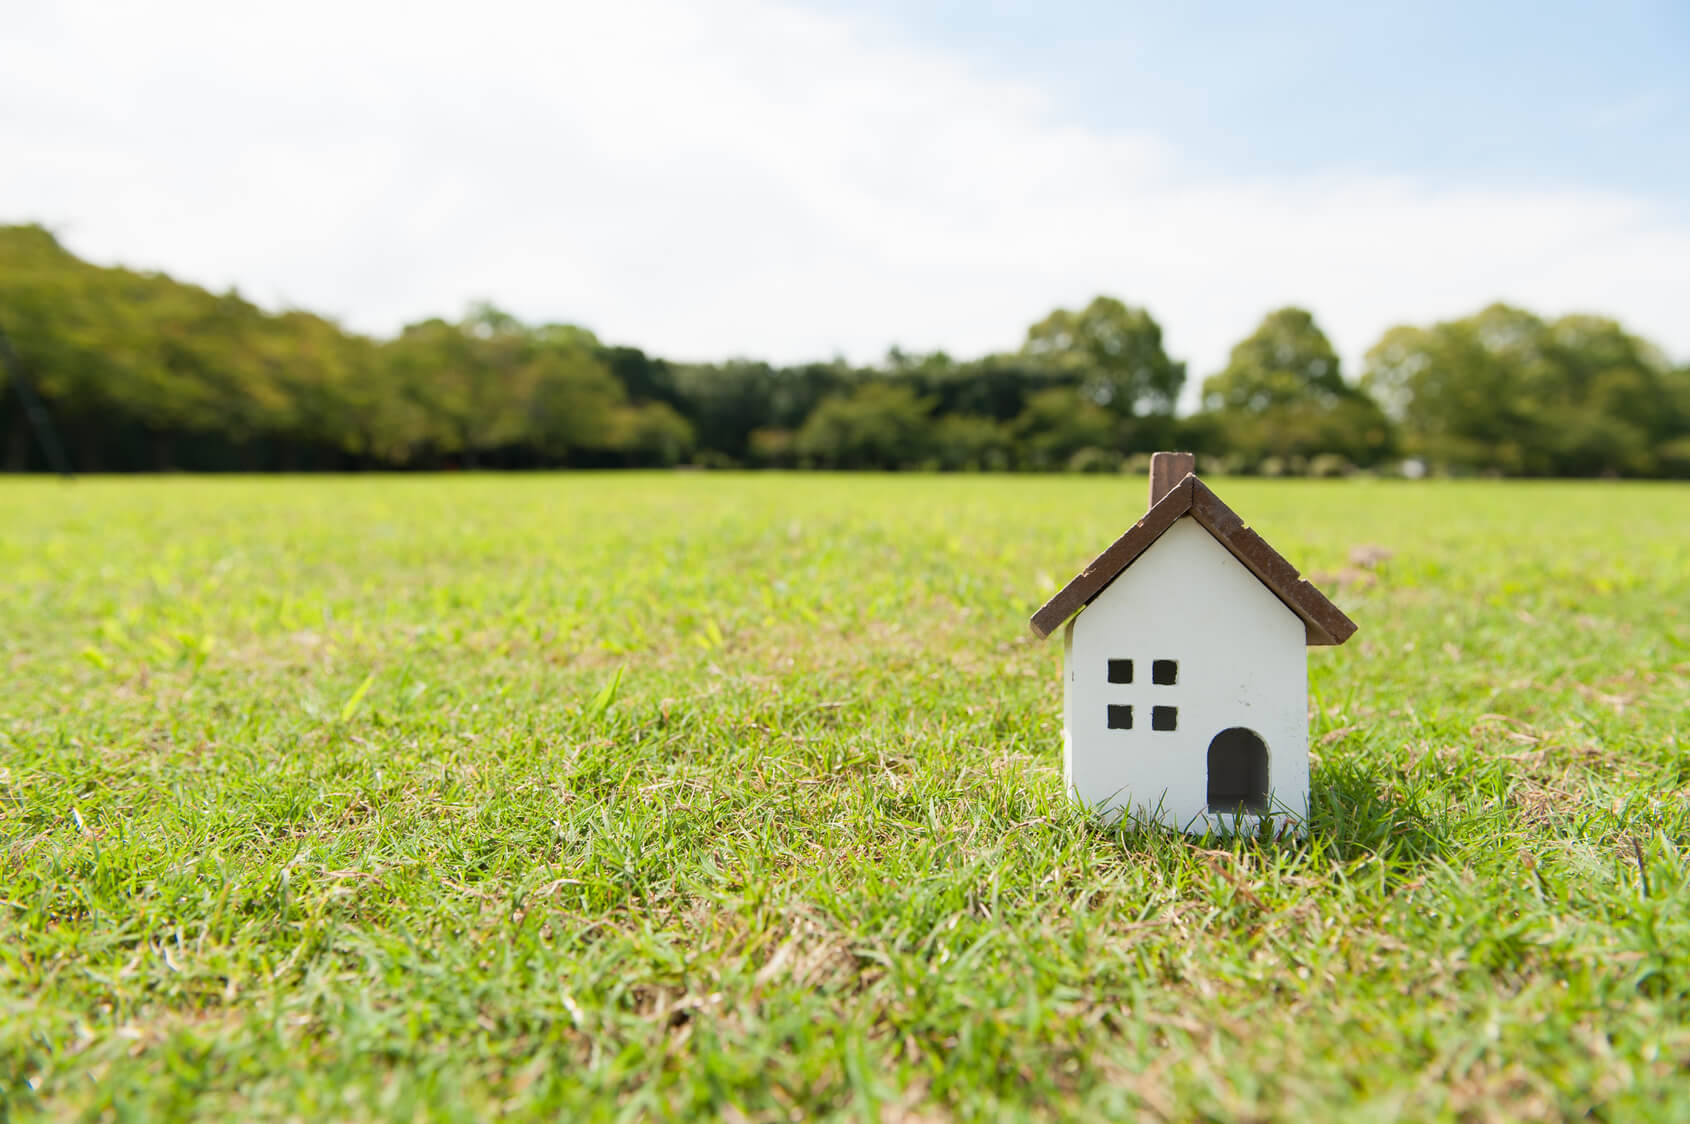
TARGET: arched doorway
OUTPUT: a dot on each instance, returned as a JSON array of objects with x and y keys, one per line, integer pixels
[{"x": 1238, "y": 772}]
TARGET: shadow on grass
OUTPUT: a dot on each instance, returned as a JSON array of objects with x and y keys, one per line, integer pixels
[{"x": 1353, "y": 817}]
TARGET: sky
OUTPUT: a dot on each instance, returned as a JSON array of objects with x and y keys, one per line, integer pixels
[{"x": 800, "y": 179}]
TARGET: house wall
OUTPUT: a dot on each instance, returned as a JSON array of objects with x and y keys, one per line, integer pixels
[{"x": 1241, "y": 662}]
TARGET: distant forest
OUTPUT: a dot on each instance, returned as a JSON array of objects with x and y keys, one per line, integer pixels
[{"x": 139, "y": 372}]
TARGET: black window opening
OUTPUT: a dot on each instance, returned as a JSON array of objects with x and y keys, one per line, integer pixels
[
  {"x": 1238, "y": 772},
  {"x": 1164, "y": 672},
  {"x": 1164, "y": 718},
  {"x": 1120, "y": 671},
  {"x": 1120, "y": 717}
]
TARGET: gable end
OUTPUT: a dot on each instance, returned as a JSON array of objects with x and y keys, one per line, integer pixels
[
  {"x": 1117, "y": 556},
  {"x": 1324, "y": 623}
]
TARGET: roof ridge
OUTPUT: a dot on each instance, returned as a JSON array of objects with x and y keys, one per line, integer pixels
[{"x": 1323, "y": 621}]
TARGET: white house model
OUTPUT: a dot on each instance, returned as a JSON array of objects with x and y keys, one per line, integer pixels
[{"x": 1185, "y": 680}]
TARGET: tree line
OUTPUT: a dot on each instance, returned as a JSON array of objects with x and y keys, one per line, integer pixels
[{"x": 137, "y": 371}]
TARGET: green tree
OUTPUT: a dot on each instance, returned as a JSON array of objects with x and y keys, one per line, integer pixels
[
  {"x": 1114, "y": 351},
  {"x": 969, "y": 442},
  {"x": 651, "y": 434},
  {"x": 570, "y": 401},
  {"x": 116, "y": 350},
  {"x": 488, "y": 383},
  {"x": 1282, "y": 394},
  {"x": 1287, "y": 360},
  {"x": 1611, "y": 405},
  {"x": 878, "y": 425},
  {"x": 1459, "y": 389},
  {"x": 1505, "y": 391},
  {"x": 1061, "y": 425},
  {"x": 1674, "y": 448},
  {"x": 336, "y": 401}
]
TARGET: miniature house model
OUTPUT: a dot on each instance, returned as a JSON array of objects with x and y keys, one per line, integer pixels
[{"x": 1186, "y": 684}]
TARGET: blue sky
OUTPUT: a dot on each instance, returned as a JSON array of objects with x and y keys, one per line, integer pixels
[
  {"x": 797, "y": 179},
  {"x": 1592, "y": 95}
]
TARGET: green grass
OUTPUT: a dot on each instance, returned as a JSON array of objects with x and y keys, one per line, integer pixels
[{"x": 649, "y": 795}]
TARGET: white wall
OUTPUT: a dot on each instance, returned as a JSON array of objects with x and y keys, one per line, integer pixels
[{"x": 1241, "y": 663}]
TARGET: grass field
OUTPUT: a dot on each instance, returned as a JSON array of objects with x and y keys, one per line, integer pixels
[{"x": 648, "y": 795}]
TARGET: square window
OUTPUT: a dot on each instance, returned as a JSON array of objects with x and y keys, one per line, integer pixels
[
  {"x": 1164, "y": 718},
  {"x": 1165, "y": 672},
  {"x": 1120, "y": 671},
  {"x": 1120, "y": 717}
]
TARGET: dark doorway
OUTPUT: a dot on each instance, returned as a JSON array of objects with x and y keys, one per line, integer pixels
[{"x": 1238, "y": 772}]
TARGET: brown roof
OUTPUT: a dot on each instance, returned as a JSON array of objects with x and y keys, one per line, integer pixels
[{"x": 1325, "y": 622}]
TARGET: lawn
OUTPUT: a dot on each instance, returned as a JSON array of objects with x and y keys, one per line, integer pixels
[{"x": 615, "y": 796}]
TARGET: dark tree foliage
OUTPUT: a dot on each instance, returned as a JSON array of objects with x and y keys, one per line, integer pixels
[
  {"x": 997, "y": 387},
  {"x": 143, "y": 372},
  {"x": 139, "y": 372},
  {"x": 730, "y": 402}
]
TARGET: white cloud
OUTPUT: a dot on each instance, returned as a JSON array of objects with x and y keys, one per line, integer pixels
[{"x": 705, "y": 180}]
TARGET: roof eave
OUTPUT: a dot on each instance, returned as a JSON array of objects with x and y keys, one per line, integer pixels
[{"x": 1324, "y": 623}]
